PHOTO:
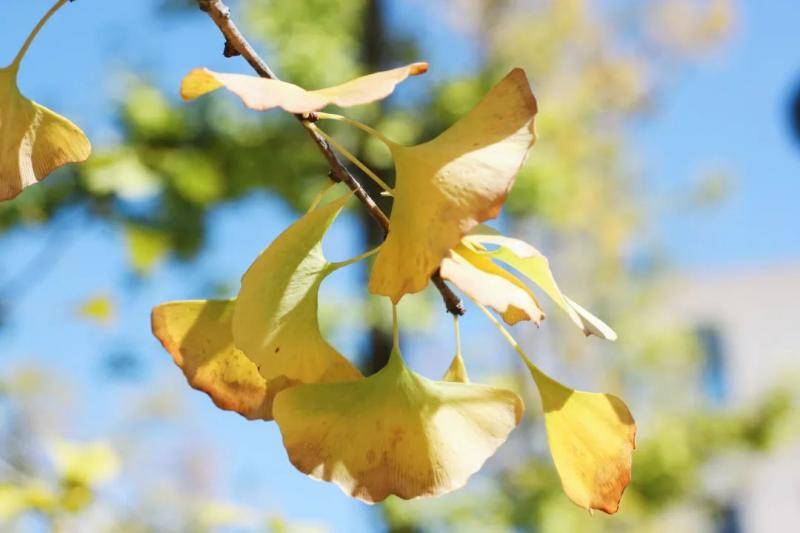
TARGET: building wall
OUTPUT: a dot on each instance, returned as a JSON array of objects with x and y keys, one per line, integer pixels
[{"x": 752, "y": 318}]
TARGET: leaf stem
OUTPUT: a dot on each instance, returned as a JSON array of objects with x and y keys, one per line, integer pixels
[
  {"x": 360, "y": 125},
  {"x": 537, "y": 374},
  {"x": 458, "y": 335},
  {"x": 356, "y": 259},
  {"x": 27, "y": 44},
  {"x": 353, "y": 159},
  {"x": 395, "y": 330}
]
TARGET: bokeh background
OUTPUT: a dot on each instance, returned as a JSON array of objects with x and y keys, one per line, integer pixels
[{"x": 663, "y": 188}]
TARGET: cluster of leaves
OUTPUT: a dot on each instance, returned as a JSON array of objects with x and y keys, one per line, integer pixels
[
  {"x": 265, "y": 354},
  {"x": 396, "y": 432},
  {"x": 232, "y": 157}
]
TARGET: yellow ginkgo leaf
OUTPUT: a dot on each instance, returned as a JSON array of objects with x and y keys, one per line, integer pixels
[
  {"x": 592, "y": 437},
  {"x": 395, "y": 432},
  {"x": 275, "y": 318},
  {"x": 446, "y": 186},
  {"x": 198, "y": 336},
  {"x": 457, "y": 371},
  {"x": 488, "y": 283},
  {"x": 34, "y": 141},
  {"x": 262, "y": 93},
  {"x": 532, "y": 264}
]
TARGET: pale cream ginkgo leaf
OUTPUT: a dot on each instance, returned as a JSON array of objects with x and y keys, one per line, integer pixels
[{"x": 262, "y": 94}]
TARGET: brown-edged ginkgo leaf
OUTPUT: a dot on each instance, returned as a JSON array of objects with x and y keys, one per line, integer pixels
[
  {"x": 527, "y": 260},
  {"x": 491, "y": 285},
  {"x": 34, "y": 141},
  {"x": 275, "y": 317},
  {"x": 591, "y": 437},
  {"x": 262, "y": 93},
  {"x": 446, "y": 186},
  {"x": 198, "y": 336},
  {"x": 394, "y": 432}
]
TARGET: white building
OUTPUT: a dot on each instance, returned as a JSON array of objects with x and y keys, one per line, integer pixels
[{"x": 749, "y": 324}]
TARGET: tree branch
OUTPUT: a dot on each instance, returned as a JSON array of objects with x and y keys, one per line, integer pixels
[{"x": 237, "y": 44}]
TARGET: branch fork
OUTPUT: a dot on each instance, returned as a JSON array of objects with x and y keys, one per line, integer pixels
[{"x": 237, "y": 45}]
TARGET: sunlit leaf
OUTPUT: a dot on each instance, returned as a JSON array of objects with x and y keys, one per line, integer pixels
[
  {"x": 395, "y": 432},
  {"x": 592, "y": 437},
  {"x": 275, "y": 319},
  {"x": 262, "y": 94},
  {"x": 446, "y": 186},
  {"x": 491, "y": 285},
  {"x": 198, "y": 336},
  {"x": 535, "y": 266},
  {"x": 34, "y": 141}
]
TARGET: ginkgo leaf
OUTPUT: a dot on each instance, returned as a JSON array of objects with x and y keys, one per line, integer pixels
[
  {"x": 198, "y": 336},
  {"x": 457, "y": 371},
  {"x": 591, "y": 437},
  {"x": 446, "y": 186},
  {"x": 34, "y": 141},
  {"x": 488, "y": 283},
  {"x": 275, "y": 318},
  {"x": 262, "y": 93},
  {"x": 395, "y": 432},
  {"x": 532, "y": 264}
]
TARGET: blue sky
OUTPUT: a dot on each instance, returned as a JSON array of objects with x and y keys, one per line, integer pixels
[{"x": 729, "y": 113}]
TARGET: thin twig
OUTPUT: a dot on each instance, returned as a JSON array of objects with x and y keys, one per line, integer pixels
[{"x": 237, "y": 44}]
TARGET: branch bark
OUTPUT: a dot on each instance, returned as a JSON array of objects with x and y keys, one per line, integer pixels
[{"x": 237, "y": 44}]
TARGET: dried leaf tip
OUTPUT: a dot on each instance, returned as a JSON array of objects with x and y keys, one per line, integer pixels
[{"x": 415, "y": 69}]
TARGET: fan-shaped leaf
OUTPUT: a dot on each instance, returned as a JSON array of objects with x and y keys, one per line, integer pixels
[
  {"x": 198, "y": 336},
  {"x": 592, "y": 437},
  {"x": 395, "y": 432},
  {"x": 275, "y": 318},
  {"x": 446, "y": 186},
  {"x": 34, "y": 141}
]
